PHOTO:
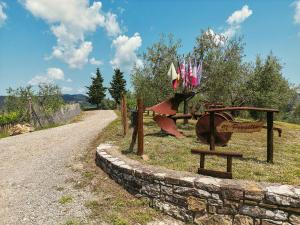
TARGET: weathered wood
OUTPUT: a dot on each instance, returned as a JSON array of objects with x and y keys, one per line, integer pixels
[
  {"x": 124, "y": 115},
  {"x": 241, "y": 108},
  {"x": 140, "y": 150},
  {"x": 218, "y": 153},
  {"x": 270, "y": 137},
  {"x": 202, "y": 161},
  {"x": 240, "y": 127},
  {"x": 212, "y": 130},
  {"x": 214, "y": 173}
]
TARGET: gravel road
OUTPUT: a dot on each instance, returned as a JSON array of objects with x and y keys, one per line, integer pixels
[{"x": 35, "y": 169}]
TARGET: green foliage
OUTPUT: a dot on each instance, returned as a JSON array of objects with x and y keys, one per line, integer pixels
[
  {"x": 108, "y": 104},
  {"x": 47, "y": 100},
  {"x": 117, "y": 86},
  {"x": 268, "y": 86},
  {"x": 17, "y": 99},
  {"x": 9, "y": 118},
  {"x": 131, "y": 100},
  {"x": 96, "y": 91},
  {"x": 224, "y": 73},
  {"x": 151, "y": 81},
  {"x": 50, "y": 98}
]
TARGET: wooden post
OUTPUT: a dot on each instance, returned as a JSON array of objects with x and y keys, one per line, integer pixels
[
  {"x": 229, "y": 164},
  {"x": 212, "y": 130},
  {"x": 202, "y": 161},
  {"x": 140, "y": 150},
  {"x": 270, "y": 137},
  {"x": 124, "y": 115}
]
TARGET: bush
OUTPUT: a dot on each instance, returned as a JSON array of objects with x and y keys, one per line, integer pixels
[{"x": 9, "y": 118}]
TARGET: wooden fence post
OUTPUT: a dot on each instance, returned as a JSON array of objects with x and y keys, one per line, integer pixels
[
  {"x": 270, "y": 137},
  {"x": 140, "y": 104},
  {"x": 124, "y": 115}
]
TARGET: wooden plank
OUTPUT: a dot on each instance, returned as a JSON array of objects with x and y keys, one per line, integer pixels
[
  {"x": 241, "y": 108},
  {"x": 240, "y": 127},
  {"x": 270, "y": 137},
  {"x": 212, "y": 130},
  {"x": 215, "y": 173},
  {"x": 219, "y": 153},
  {"x": 140, "y": 127}
]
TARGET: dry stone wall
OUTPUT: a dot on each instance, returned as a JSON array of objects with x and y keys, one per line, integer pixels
[{"x": 202, "y": 199}]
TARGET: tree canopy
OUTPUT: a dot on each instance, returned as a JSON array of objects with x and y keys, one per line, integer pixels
[
  {"x": 96, "y": 91},
  {"x": 117, "y": 86}
]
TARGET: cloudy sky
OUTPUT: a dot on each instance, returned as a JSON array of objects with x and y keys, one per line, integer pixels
[{"x": 64, "y": 41}]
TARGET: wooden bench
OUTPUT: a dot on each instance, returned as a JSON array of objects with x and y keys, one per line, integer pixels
[{"x": 214, "y": 173}]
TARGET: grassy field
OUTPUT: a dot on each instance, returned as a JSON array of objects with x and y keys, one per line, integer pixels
[{"x": 175, "y": 153}]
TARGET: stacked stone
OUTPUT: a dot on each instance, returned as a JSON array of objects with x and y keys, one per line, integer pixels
[{"x": 201, "y": 199}]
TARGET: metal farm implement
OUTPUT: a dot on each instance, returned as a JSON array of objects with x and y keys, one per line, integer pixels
[{"x": 214, "y": 127}]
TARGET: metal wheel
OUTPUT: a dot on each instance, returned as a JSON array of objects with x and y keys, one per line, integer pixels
[{"x": 203, "y": 129}]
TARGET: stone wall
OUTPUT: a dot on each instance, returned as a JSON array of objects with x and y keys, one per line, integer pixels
[
  {"x": 202, "y": 199},
  {"x": 63, "y": 115}
]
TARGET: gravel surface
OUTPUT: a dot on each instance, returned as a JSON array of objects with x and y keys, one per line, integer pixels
[{"x": 36, "y": 173}]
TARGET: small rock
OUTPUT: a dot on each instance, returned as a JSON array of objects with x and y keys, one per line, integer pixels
[
  {"x": 242, "y": 220},
  {"x": 145, "y": 157},
  {"x": 294, "y": 219}
]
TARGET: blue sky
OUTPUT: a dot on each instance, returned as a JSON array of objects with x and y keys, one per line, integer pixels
[{"x": 64, "y": 41}]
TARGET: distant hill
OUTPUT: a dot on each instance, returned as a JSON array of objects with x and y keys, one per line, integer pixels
[{"x": 76, "y": 98}]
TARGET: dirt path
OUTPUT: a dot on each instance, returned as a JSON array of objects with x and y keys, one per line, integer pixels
[{"x": 35, "y": 170}]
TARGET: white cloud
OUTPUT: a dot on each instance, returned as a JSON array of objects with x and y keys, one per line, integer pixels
[
  {"x": 55, "y": 74},
  {"x": 40, "y": 79},
  {"x": 239, "y": 16},
  {"x": 69, "y": 80},
  {"x": 125, "y": 52},
  {"x": 50, "y": 76},
  {"x": 96, "y": 62},
  {"x": 111, "y": 25},
  {"x": 70, "y": 22},
  {"x": 235, "y": 20},
  {"x": 3, "y": 16},
  {"x": 297, "y": 12},
  {"x": 66, "y": 89}
]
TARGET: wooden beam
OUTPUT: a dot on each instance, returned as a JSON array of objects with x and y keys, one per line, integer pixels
[
  {"x": 270, "y": 137},
  {"x": 241, "y": 108},
  {"x": 218, "y": 153}
]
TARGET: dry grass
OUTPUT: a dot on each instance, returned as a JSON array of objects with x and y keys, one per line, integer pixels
[{"x": 175, "y": 153}]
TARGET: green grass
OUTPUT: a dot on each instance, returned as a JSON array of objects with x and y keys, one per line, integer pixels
[
  {"x": 175, "y": 153},
  {"x": 65, "y": 199}
]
